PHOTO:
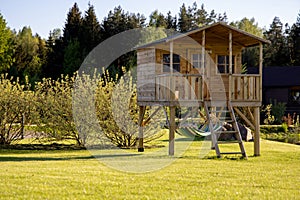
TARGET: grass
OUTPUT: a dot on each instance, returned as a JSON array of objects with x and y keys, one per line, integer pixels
[{"x": 75, "y": 174}]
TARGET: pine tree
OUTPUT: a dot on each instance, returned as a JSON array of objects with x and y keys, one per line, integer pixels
[
  {"x": 91, "y": 31},
  {"x": 295, "y": 42},
  {"x": 184, "y": 20},
  {"x": 73, "y": 25},
  {"x": 201, "y": 17},
  {"x": 55, "y": 55},
  {"x": 277, "y": 53},
  {"x": 169, "y": 21},
  {"x": 157, "y": 20},
  {"x": 72, "y": 38}
]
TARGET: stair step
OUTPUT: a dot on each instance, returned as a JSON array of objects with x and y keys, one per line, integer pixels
[
  {"x": 224, "y": 113},
  {"x": 229, "y": 142},
  {"x": 231, "y": 152},
  {"x": 219, "y": 111}
]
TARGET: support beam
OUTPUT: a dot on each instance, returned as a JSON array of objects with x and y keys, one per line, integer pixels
[
  {"x": 203, "y": 63},
  {"x": 171, "y": 57},
  {"x": 230, "y": 52},
  {"x": 257, "y": 132},
  {"x": 244, "y": 118},
  {"x": 144, "y": 123},
  {"x": 172, "y": 131},
  {"x": 230, "y": 66},
  {"x": 142, "y": 110},
  {"x": 172, "y": 84},
  {"x": 250, "y": 114},
  {"x": 260, "y": 69},
  {"x": 203, "y": 53}
]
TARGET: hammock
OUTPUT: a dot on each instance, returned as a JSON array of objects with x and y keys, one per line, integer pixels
[{"x": 202, "y": 131}]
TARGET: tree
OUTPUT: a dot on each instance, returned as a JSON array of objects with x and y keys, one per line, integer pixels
[
  {"x": 54, "y": 105},
  {"x": 295, "y": 42},
  {"x": 277, "y": 53},
  {"x": 201, "y": 16},
  {"x": 184, "y": 20},
  {"x": 55, "y": 55},
  {"x": 157, "y": 20},
  {"x": 248, "y": 25},
  {"x": 222, "y": 18},
  {"x": 116, "y": 22},
  {"x": 73, "y": 24},
  {"x": 72, "y": 58},
  {"x": 6, "y": 46},
  {"x": 91, "y": 31},
  {"x": 16, "y": 109},
  {"x": 27, "y": 55},
  {"x": 212, "y": 17},
  {"x": 250, "y": 55},
  {"x": 171, "y": 21}
]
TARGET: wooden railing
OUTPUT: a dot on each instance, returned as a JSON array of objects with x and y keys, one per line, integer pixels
[
  {"x": 245, "y": 87},
  {"x": 181, "y": 87}
]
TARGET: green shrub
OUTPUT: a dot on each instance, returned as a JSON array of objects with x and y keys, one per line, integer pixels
[
  {"x": 283, "y": 128},
  {"x": 16, "y": 109},
  {"x": 278, "y": 110}
]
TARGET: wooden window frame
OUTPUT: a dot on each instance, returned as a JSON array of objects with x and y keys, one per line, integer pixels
[
  {"x": 166, "y": 63},
  {"x": 225, "y": 64}
]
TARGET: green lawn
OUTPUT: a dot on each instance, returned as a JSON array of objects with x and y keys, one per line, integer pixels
[{"x": 75, "y": 174}]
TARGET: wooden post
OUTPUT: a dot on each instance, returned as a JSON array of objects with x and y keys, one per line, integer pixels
[
  {"x": 172, "y": 84},
  {"x": 230, "y": 52},
  {"x": 230, "y": 66},
  {"x": 256, "y": 133},
  {"x": 260, "y": 69},
  {"x": 203, "y": 53},
  {"x": 141, "y": 131},
  {"x": 172, "y": 131}
]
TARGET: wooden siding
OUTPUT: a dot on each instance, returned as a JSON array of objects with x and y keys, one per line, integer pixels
[{"x": 146, "y": 74}]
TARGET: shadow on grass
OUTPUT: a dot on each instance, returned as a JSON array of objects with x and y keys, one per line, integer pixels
[
  {"x": 195, "y": 138},
  {"x": 45, "y": 147},
  {"x": 24, "y": 159}
]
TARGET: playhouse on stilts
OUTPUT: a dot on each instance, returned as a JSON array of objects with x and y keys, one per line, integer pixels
[{"x": 202, "y": 69}]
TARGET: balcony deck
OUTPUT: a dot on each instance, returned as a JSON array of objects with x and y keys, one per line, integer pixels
[{"x": 193, "y": 89}]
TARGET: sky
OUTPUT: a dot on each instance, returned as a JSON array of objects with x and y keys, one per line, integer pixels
[{"x": 45, "y": 15}]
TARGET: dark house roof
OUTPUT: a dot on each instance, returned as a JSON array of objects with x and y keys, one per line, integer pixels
[{"x": 281, "y": 76}]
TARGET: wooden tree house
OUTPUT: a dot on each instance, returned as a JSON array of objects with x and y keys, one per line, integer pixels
[{"x": 201, "y": 68}]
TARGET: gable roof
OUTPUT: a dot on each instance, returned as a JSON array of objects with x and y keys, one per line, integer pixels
[
  {"x": 281, "y": 76},
  {"x": 220, "y": 28}
]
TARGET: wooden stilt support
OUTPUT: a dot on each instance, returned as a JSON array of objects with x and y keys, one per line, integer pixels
[
  {"x": 172, "y": 131},
  {"x": 141, "y": 131},
  {"x": 256, "y": 133}
]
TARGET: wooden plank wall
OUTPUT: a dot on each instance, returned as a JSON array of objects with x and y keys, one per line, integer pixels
[{"x": 146, "y": 74}]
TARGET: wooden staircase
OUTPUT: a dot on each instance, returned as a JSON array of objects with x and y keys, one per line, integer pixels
[{"x": 223, "y": 113}]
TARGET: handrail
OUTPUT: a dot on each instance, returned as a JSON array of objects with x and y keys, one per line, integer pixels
[
  {"x": 245, "y": 75},
  {"x": 179, "y": 74},
  {"x": 173, "y": 87},
  {"x": 245, "y": 87}
]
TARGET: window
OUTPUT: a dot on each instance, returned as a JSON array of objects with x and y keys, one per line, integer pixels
[
  {"x": 223, "y": 64},
  {"x": 166, "y": 63},
  {"x": 295, "y": 95},
  {"x": 197, "y": 60}
]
